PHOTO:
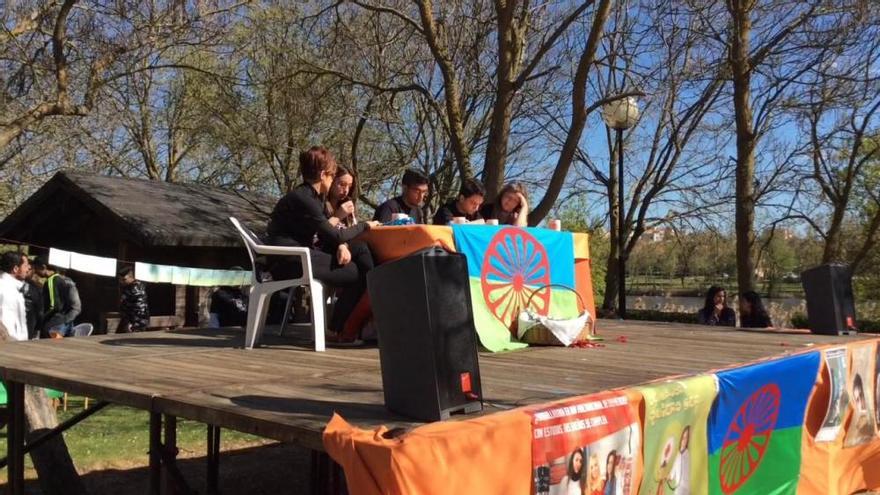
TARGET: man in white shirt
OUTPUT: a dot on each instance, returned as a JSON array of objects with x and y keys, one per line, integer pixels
[{"x": 14, "y": 268}]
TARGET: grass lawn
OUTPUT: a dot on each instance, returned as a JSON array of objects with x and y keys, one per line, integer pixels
[{"x": 118, "y": 437}]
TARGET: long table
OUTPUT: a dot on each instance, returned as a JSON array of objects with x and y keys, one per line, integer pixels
[{"x": 394, "y": 242}]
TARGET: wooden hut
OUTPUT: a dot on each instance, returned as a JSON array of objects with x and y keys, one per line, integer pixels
[{"x": 138, "y": 220}]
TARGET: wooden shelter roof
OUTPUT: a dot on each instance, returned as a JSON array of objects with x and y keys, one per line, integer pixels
[{"x": 149, "y": 213}]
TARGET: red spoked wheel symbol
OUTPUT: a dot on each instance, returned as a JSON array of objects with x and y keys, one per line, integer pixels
[
  {"x": 515, "y": 264},
  {"x": 748, "y": 437}
]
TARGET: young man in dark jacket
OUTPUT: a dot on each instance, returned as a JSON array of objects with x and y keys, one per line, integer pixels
[
  {"x": 61, "y": 304},
  {"x": 133, "y": 305},
  {"x": 415, "y": 190}
]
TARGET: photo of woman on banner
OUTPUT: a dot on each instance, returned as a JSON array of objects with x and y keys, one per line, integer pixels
[
  {"x": 594, "y": 478},
  {"x": 679, "y": 482},
  {"x": 861, "y": 424},
  {"x": 571, "y": 483},
  {"x": 835, "y": 360},
  {"x": 611, "y": 485}
]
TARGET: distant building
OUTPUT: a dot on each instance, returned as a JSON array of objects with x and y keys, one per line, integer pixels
[
  {"x": 658, "y": 234},
  {"x": 138, "y": 220}
]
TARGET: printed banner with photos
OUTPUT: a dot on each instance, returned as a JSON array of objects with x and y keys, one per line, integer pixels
[
  {"x": 675, "y": 450},
  {"x": 835, "y": 361},
  {"x": 586, "y": 445},
  {"x": 861, "y": 388}
]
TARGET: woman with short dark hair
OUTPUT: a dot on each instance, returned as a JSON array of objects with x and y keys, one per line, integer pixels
[
  {"x": 299, "y": 219},
  {"x": 715, "y": 310}
]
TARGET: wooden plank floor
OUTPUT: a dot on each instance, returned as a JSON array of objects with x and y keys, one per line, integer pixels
[{"x": 287, "y": 392}]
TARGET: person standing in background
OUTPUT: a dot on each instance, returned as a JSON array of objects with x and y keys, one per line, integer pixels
[
  {"x": 133, "y": 305},
  {"x": 33, "y": 303}
]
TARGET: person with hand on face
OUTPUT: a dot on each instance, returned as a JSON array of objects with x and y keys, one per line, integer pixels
[
  {"x": 415, "y": 190},
  {"x": 300, "y": 219},
  {"x": 511, "y": 207},
  {"x": 467, "y": 205},
  {"x": 715, "y": 310},
  {"x": 339, "y": 205}
]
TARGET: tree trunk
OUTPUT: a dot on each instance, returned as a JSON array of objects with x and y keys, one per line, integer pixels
[
  {"x": 745, "y": 142},
  {"x": 832, "y": 238},
  {"x": 454, "y": 115},
  {"x": 579, "y": 113},
  {"x": 609, "y": 301},
  {"x": 509, "y": 53},
  {"x": 55, "y": 469}
]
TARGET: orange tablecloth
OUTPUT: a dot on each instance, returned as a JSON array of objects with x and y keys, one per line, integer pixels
[{"x": 394, "y": 242}]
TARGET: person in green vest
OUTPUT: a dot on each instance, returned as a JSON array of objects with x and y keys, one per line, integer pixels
[{"x": 61, "y": 304}]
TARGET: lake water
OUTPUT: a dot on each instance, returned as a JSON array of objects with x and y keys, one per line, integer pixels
[
  {"x": 692, "y": 304},
  {"x": 780, "y": 309}
]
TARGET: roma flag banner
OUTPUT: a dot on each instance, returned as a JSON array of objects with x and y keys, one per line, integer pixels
[
  {"x": 756, "y": 425},
  {"x": 510, "y": 267},
  {"x": 586, "y": 445},
  {"x": 676, "y": 451}
]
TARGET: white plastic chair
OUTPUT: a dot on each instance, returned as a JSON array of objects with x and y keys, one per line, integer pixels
[
  {"x": 261, "y": 292},
  {"x": 82, "y": 330}
]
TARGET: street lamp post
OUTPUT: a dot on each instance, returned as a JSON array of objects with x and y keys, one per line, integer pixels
[{"x": 620, "y": 115}]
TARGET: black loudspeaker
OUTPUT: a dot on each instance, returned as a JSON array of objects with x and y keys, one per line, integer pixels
[
  {"x": 831, "y": 307},
  {"x": 427, "y": 340}
]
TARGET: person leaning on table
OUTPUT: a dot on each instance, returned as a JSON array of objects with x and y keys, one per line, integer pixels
[
  {"x": 467, "y": 205},
  {"x": 415, "y": 190},
  {"x": 511, "y": 207},
  {"x": 299, "y": 219}
]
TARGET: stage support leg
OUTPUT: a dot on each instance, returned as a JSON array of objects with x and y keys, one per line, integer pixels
[
  {"x": 155, "y": 453},
  {"x": 328, "y": 477},
  {"x": 213, "y": 487},
  {"x": 15, "y": 437},
  {"x": 169, "y": 453}
]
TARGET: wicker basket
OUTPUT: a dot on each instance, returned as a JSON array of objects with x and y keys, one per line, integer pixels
[{"x": 541, "y": 335}]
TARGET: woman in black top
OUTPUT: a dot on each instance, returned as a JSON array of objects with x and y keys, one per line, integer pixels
[
  {"x": 751, "y": 311},
  {"x": 715, "y": 311},
  {"x": 299, "y": 219}
]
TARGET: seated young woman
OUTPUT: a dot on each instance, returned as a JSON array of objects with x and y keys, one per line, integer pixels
[
  {"x": 751, "y": 311},
  {"x": 511, "y": 207},
  {"x": 339, "y": 207},
  {"x": 715, "y": 310},
  {"x": 299, "y": 219}
]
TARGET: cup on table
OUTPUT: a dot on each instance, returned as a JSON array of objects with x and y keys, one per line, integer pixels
[
  {"x": 398, "y": 216},
  {"x": 459, "y": 220},
  {"x": 492, "y": 221},
  {"x": 555, "y": 224}
]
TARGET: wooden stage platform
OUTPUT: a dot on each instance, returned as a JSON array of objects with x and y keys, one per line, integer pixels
[{"x": 285, "y": 391}]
